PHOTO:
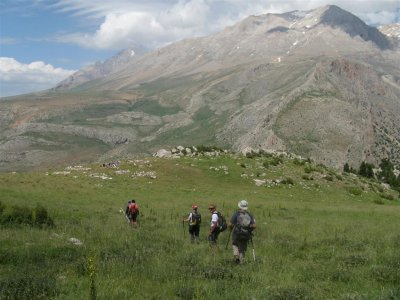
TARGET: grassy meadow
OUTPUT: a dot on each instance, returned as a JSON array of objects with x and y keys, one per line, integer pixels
[{"x": 320, "y": 234}]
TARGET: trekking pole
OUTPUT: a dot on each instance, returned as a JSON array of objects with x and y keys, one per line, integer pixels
[
  {"x": 229, "y": 238},
  {"x": 254, "y": 251},
  {"x": 121, "y": 210}
]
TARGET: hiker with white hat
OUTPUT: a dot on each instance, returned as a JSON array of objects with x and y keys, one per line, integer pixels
[{"x": 241, "y": 225}]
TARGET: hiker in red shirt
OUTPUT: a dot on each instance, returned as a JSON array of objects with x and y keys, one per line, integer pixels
[{"x": 133, "y": 213}]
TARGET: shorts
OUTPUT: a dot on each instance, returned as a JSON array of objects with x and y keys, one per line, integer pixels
[
  {"x": 134, "y": 216},
  {"x": 194, "y": 230}
]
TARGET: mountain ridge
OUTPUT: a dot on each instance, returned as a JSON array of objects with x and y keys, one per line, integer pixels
[{"x": 292, "y": 82}]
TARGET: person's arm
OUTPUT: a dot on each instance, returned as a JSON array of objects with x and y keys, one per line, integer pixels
[
  {"x": 232, "y": 222},
  {"x": 253, "y": 223},
  {"x": 188, "y": 218},
  {"x": 214, "y": 223}
]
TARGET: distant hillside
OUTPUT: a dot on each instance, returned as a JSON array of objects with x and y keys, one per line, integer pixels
[{"x": 320, "y": 84}]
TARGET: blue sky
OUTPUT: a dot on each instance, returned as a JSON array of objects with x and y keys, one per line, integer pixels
[{"x": 44, "y": 41}]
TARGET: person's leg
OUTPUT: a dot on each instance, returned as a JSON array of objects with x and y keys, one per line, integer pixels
[
  {"x": 196, "y": 233},
  {"x": 242, "y": 245},
  {"x": 134, "y": 222},
  {"x": 236, "y": 253},
  {"x": 192, "y": 233},
  {"x": 212, "y": 238}
]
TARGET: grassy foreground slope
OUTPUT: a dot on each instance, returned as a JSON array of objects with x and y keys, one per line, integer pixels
[{"x": 320, "y": 235}]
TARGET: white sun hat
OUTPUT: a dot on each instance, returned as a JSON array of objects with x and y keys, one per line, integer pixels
[{"x": 243, "y": 204}]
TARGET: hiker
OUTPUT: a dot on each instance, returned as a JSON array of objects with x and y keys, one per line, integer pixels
[
  {"x": 127, "y": 208},
  {"x": 133, "y": 213},
  {"x": 194, "y": 220},
  {"x": 214, "y": 230},
  {"x": 241, "y": 225}
]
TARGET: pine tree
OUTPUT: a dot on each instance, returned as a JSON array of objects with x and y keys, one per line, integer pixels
[
  {"x": 366, "y": 170},
  {"x": 386, "y": 174}
]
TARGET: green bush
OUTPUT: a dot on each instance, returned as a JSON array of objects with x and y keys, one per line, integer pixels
[
  {"x": 306, "y": 177},
  {"x": 299, "y": 162},
  {"x": 28, "y": 287},
  {"x": 18, "y": 215},
  {"x": 276, "y": 161},
  {"x": 387, "y": 196},
  {"x": 288, "y": 180},
  {"x": 355, "y": 190},
  {"x": 294, "y": 292},
  {"x": 203, "y": 149}
]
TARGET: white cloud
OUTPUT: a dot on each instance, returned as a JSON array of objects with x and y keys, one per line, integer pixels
[
  {"x": 18, "y": 78},
  {"x": 382, "y": 17},
  {"x": 123, "y": 29}
]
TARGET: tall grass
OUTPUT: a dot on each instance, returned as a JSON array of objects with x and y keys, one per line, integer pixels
[{"x": 314, "y": 239}]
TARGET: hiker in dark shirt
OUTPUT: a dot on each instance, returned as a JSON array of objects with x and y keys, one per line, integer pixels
[
  {"x": 241, "y": 225},
  {"x": 194, "y": 220}
]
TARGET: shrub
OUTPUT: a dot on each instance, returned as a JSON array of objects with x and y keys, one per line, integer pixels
[
  {"x": 309, "y": 168},
  {"x": 252, "y": 154},
  {"x": 203, "y": 149},
  {"x": 387, "y": 196},
  {"x": 41, "y": 217},
  {"x": 306, "y": 177},
  {"x": 286, "y": 293},
  {"x": 2, "y": 207},
  {"x": 28, "y": 287},
  {"x": 299, "y": 162},
  {"x": 355, "y": 190},
  {"x": 288, "y": 181},
  {"x": 17, "y": 215},
  {"x": 276, "y": 161}
]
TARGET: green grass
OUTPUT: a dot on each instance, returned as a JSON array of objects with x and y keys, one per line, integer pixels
[
  {"x": 153, "y": 108},
  {"x": 314, "y": 239}
]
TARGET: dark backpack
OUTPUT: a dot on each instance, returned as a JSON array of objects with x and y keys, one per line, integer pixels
[
  {"x": 221, "y": 225},
  {"x": 196, "y": 219},
  {"x": 242, "y": 227}
]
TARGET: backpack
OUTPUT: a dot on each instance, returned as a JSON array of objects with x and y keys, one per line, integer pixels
[
  {"x": 221, "y": 225},
  {"x": 196, "y": 219},
  {"x": 242, "y": 226},
  {"x": 133, "y": 208}
]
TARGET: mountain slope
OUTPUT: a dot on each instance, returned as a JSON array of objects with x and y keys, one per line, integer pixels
[
  {"x": 321, "y": 84},
  {"x": 101, "y": 70}
]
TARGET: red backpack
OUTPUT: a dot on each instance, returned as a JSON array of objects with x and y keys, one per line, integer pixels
[{"x": 133, "y": 208}]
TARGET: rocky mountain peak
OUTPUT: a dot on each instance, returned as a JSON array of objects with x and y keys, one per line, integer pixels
[
  {"x": 103, "y": 69},
  {"x": 334, "y": 16}
]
